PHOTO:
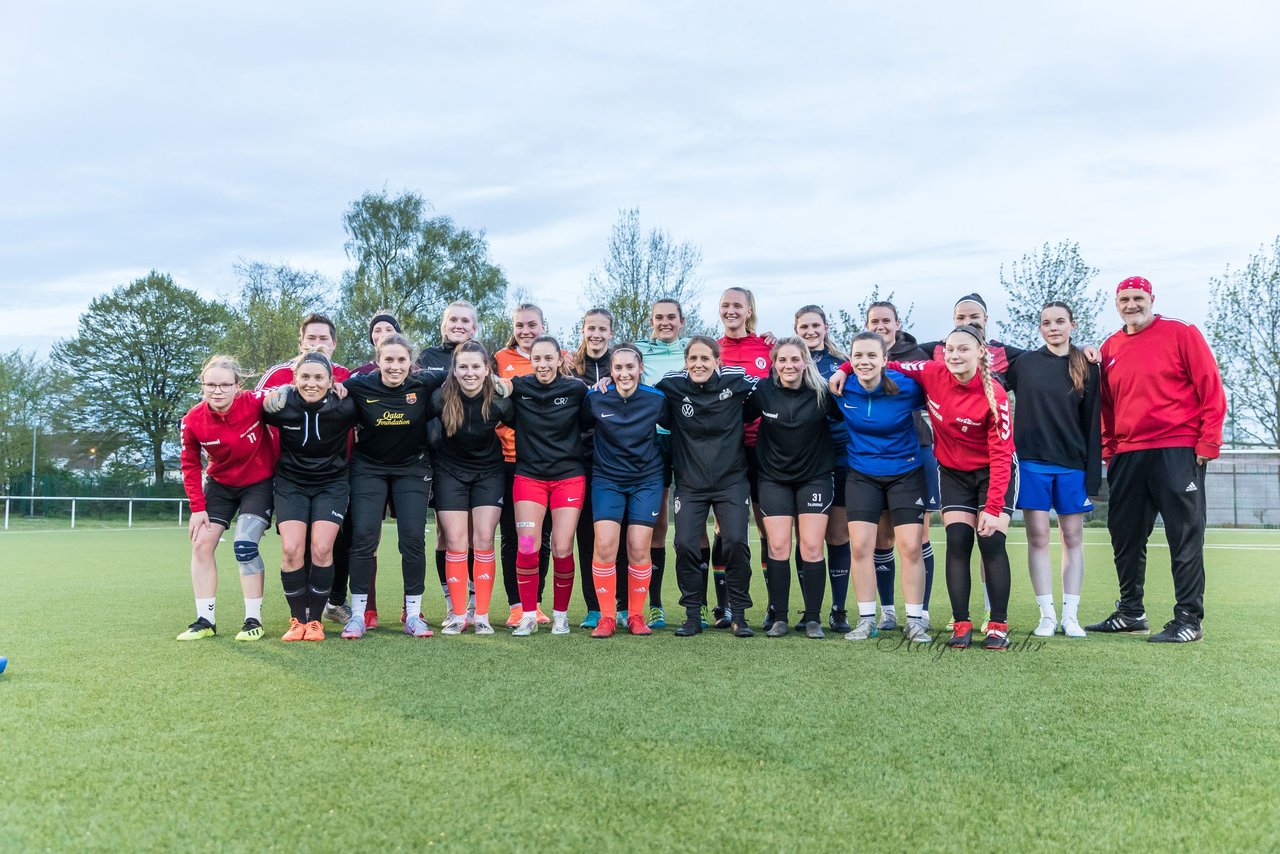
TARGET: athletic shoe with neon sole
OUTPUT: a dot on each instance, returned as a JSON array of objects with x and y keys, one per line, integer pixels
[
  {"x": 606, "y": 628},
  {"x": 201, "y": 628},
  {"x": 702, "y": 617},
  {"x": 1119, "y": 623},
  {"x": 657, "y": 617},
  {"x": 997, "y": 636},
  {"x": 559, "y": 624},
  {"x": 354, "y": 629},
  {"x": 542, "y": 618},
  {"x": 1071, "y": 628},
  {"x": 986, "y": 621},
  {"x": 417, "y": 627},
  {"x": 297, "y": 631},
  {"x": 370, "y": 619},
  {"x": 482, "y": 625},
  {"x": 961, "y": 634},
  {"x": 1048, "y": 625},
  {"x": 637, "y": 626},
  {"x": 315, "y": 631},
  {"x": 516, "y": 615},
  {"x": 866, "y": 628},
  {"x": 251, "y": 631},
  {"x": 337, "y": 613}
]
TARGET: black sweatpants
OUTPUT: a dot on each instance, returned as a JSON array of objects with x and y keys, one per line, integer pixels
[
  {"x": 1169, "y": 482},
  {"x": 341, "y": 562},
  {"x": 370, "y": 486},
  {"x": 507, "y": 548},
  {"x": 732, "y": 506}
]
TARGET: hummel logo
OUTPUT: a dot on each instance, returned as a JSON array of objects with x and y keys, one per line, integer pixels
[{"x": 1191, "y": 487}]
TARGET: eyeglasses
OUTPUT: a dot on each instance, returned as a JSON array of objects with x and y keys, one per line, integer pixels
[{"x": 218, "y": 386}]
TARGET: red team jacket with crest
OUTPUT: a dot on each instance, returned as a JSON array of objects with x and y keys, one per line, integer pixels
[
  {"x": 967, "y": 436},
  {"x": 1166, "y": 382},
  {"x": 751, "y": 354},
  {"x": 240, "y": 448}
]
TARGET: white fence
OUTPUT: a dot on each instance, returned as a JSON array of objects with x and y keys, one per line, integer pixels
[{"x": 74, "y": 499}]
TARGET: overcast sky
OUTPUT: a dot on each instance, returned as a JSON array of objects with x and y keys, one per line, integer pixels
[{"x": 810, "y": 149}]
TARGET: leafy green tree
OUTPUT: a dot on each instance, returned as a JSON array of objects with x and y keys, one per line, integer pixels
[
  {"x": 135, "y": 360},
  {"x": 640, "y": 269},
  {"x": 1244, "y": 331},
  {"x": 262, "y": 320},
  {"x": 25, "y": 403},
  {"x": 413, "y": 265},
  {"x": 1056, "y": 273}
]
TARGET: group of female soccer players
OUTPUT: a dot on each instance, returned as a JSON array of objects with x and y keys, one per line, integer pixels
[{"x": 839, "y": 456}]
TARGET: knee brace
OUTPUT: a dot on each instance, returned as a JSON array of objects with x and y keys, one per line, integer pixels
[{"x": 249, "y": 530}]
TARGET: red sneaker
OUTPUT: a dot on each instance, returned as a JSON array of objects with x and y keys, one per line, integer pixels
[
  {"x": 370, "y": 619},
  {"x": 637, "y": 626},
  {"x": 605, "y": 628},
  {"x": 961, "y": 635}
]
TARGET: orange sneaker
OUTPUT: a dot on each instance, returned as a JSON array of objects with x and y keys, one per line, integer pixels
[
  {"x": 637, "y": 626},
  {"x": 297, "y": 631},
  {"x": 517, "y": 614},
  {"x": 542, "y": 618},
  {"x": 370, "y": 619},
  {"x": 605, "y": 628},
  {"x": 315, "y": 631}
]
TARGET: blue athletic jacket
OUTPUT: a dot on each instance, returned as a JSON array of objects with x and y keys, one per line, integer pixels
[
  {"x": 881, "y": 427},
  {"x": 626, "y": 443}
]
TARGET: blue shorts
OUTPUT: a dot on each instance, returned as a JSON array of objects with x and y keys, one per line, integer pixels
[
  {"x": 933, "y": 493},
  {"x": 638, "y": 503},
  {"x": 1045, "y": 486}
]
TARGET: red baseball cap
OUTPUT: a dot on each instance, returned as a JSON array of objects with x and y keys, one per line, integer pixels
[{"x": 1135, "y": 283}]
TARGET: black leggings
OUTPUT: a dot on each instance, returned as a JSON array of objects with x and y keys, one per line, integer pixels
[
  {"x": 731, "y": 506},
  {"x": 370, "y": 487},
  {"x": 994, "y": 558}
]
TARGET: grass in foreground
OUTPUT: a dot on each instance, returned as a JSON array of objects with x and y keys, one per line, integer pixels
[{"x": 119, "y": 737}]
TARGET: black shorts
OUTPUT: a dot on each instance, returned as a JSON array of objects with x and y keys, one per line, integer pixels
[
  {"x": 967, "y": 490},
  {"x": 321, "y": 502},
  {"x": 796, "y": 499},
  {"x": 869, "y": 496},
  {"x": 460, "y": 492},
  {"x": 841, "y": 475},
  {"x": 664, "y": 448},
  {"x": 223, "y": 502},
  {"x": 753, "y": 473}
]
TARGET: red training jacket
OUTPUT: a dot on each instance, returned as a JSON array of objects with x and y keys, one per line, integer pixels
[
  {"x": 240, "y": 449},
  {"x": 967, "y": 436},
  {"x": 1161, "y": 389},
  {"x": 752, "y": 355},
  {"x": 282, "y": 374}
]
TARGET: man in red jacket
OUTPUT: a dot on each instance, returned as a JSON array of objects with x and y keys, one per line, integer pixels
[{"x": 1162, "y": 411}]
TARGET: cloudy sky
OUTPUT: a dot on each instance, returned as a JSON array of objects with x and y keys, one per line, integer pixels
[{"x": 810, "y": 149}]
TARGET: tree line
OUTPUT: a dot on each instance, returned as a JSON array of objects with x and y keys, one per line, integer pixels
[{"x": 120, "y": 385}]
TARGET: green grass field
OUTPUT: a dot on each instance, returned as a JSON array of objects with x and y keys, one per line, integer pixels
[{"x": 118, "y": 737}]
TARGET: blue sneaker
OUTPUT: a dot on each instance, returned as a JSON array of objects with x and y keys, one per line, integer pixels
[
  {"x": 622, "y": 617},
  {"x": 590, "y": 621},
  {"x": 657, "y": 617},
  {"x": 702, "y": 617}
]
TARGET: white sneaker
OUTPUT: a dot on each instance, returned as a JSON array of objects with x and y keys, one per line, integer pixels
[
  {"x": 1071, "y": 628},
  {"x": 453, "y": 625},
  {"x": 481, "y": 623},
  {"x": 528, "y": 625},
  {"x": 916, "y": 631},
  {"x": 560, "y": 624},
  {"x": 1048, "y": 625}
]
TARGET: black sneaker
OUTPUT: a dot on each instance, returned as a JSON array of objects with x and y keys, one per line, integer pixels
[
  {"x": 813, "y": 629},
  {"x": 721, "y": 618},
  {"x": 778, "y": 629},
  {"x": 839, "y": 621},
  {"x": 741, "y": 629},
  {"x": 1119, "y": 623},
  {"x": 961, "y": 635},
  {"x": 1176, "y": 631},
  {"x": 690, "y": 627},
  {"x": 769, "y": 619}
]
